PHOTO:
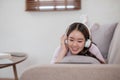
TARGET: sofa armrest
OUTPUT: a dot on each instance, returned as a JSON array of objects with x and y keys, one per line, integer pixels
[
  {"x": 114, "y": 51},
  {"x": 72, "y": 72}
]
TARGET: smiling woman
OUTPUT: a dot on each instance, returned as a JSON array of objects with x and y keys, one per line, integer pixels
[
  {"x": 78, "y": 43},
  {"x": 52, "y": 5}
]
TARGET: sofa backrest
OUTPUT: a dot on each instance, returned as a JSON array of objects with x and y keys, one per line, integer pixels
[{"x": 102, "y": 36}]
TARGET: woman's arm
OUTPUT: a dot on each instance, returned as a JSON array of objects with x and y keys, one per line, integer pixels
[
  {"x": 55, "y": 55},
  {"x": 60, "y": 51}
]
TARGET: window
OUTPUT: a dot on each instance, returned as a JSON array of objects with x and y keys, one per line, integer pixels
[{"x": 52, "y": 5}]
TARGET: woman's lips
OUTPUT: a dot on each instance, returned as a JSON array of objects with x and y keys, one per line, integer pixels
[{"x": 74, "y": 49}]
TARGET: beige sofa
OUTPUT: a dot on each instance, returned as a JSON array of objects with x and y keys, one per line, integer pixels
[{"x": 107, "y": 39}]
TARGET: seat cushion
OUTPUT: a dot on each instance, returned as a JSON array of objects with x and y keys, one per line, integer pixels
[{"x": 79, "y": 60}]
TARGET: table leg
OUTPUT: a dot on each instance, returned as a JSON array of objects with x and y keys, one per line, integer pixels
[{"x": 15, "y": 72}]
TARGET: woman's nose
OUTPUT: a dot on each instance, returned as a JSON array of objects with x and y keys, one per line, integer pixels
[{"x": 74, "y": 43}]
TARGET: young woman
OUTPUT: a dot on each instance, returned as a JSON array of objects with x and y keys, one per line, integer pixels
[{"x": 77, "y": 41}]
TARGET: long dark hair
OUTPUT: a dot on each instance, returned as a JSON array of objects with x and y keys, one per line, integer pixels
[{"x": 84, "y": 30}]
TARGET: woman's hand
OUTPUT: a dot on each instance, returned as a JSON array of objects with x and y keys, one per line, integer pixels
[{"x": 63, "y": 42}]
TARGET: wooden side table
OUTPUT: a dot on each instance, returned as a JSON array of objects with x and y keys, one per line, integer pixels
[{"x": 15, "y": 60}]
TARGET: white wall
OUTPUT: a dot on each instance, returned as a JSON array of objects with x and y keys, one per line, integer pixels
[{"x": 38, "y": 33}]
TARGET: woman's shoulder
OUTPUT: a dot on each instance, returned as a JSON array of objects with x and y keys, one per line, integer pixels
[
  {"x": 93, "y": 46},
  {"x": 94, "y": 49}
]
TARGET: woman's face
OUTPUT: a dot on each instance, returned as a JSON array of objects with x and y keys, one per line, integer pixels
[{"x": 76, "y": 42}]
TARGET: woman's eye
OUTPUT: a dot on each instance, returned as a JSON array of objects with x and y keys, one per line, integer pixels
[
  {"x": 79, "y": 41},
  {"x": 70, "y": 40}
]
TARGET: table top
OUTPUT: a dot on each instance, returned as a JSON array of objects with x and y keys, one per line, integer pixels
[{"x": 15, "y": 59}]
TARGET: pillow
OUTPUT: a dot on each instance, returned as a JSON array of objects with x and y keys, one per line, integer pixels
[
  {"x": 102, "y": 36},
  {"x": 79, "y": 60}
]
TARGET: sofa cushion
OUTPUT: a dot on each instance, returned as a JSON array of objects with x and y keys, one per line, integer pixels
[
  {"x": 102, "y": 36},
  {"x": 79, "y": 60}
]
